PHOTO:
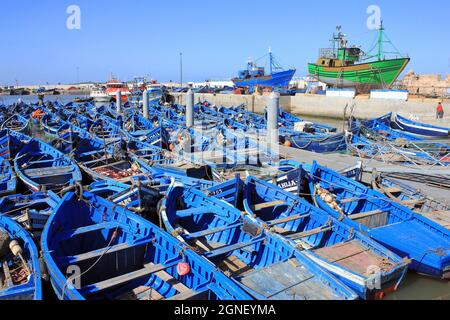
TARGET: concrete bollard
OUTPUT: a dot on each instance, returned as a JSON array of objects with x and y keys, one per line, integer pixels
[
  {"x": 190, "y": 109},
  {"x": 118, "y": 102},
  {"x": 272, "y": 118},
  {"x": 145, "y": 104}
]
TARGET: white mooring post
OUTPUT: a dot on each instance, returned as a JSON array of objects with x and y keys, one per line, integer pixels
[
  {"x": 145, "y": 104},
  {"x": 272, "y": 118},
  {"x": 119, "y": 102},
  {"x": 190, "y": 109}
]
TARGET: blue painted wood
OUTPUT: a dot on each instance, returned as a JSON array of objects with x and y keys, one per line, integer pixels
[
  {"x": 30, "y": 211},
  {"x": 396, "y": 227},
  {"x": 122, "y": 256},
  {"x": 42, "y": 167},
  {"x": 8, "y": 179},
  {"x": 291, "y": 215},
  {"x": 418, "y": 128},
  {"x": 31, "y": 287},
  {"x": 239, "y": 246}
]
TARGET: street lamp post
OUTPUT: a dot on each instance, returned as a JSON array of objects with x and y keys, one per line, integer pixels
[{"x": 181, "y": 69}]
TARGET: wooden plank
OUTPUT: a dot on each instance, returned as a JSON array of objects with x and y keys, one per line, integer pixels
[
  {"x": 94, "y": 254},
  {"x": 266, "y": 205},
  {"x": 350, "y": 200},
  {"x": 366, "y": 214},
  {"x": 392, "y": 190},
  {"x": 205, "y": 233},
  {"x": 83, "y": 230},
  {"x": 286, "y": 219},
  {"x": 187, "y": 295},
  {"x": 413, "y": 202},
  {"x": 309, "y": 233},
  {"x": 110, "y": 165},
  {"x": 125, "y": 278},
  {"x": 231, "y": 248},
  {"x": 48, "y": 172}
]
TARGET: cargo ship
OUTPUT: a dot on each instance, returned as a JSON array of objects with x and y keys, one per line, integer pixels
[
  {"x": 349, "y": 67},
  {"x": 255, "y": 76}
]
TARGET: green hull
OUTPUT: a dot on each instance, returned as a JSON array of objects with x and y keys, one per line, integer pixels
[{"x": 372, "y": 75}]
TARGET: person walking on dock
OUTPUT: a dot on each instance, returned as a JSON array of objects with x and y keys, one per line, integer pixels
[{"x": 440, "y": 111}]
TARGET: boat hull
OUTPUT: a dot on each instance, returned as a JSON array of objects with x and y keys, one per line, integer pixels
[
  {"x": 281, "y": 79},
  {"x": 420, "y": 129},
  {"x": 373, "y": 75}
]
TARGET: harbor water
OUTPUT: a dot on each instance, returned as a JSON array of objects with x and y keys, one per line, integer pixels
[{"x": 415, "y": 287}]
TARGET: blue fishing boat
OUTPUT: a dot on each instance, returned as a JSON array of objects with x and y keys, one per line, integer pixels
[
  {"x": 348, "y": 254},
  {"x": 103, "y": 161},
  {"x": 396, "y": 227},
  {"x": 19, "y": 258},
  {"x": 16, "y": 123},
  {"x": 121, "y": 256},
  {"x": 51, "y": 123},
  {"x": 8, "y": 179},
  {"x": 414, "y": 199},
  {"x": 30, "y": 211},
  {"x": 262, "y": 263},
  {"x": 11, "y": 142},
  {"x": 380, "y": 130},
  {"x": 421, "y": 129},
  {"x": 364, "y": 148},
  {"x": 144, "y": 130},
  {"x": 255, "y": 76},
  {"x": 105, "y": 130},
  {"x": 324, "y": 143},
  {"x": 42, "y": 167}
]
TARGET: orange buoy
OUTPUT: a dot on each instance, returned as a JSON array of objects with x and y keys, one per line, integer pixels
[
  {"x": 171, "y": 147},
  {"x": 183, "y": 268},
  {"x": 287, "y": 143}
]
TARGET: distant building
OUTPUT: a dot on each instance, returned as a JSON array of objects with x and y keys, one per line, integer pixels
[{"x": 429, "y": 85}]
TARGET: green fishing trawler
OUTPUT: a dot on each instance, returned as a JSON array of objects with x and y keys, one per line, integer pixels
[{"x": 349, "y": 67}]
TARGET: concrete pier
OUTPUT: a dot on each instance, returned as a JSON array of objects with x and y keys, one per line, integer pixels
[
  {"x": 145, "y": 110},
  {"x": 190, "y": 109},
  {"x": 327, "y": 107},
  {"x": 119, "y": 102},
  {"x": 272, "y": 118}
]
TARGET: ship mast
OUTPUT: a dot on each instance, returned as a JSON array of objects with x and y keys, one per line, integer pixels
[
  {"x": 271, "y": 60},
  {"x": 380, "y": 41}
]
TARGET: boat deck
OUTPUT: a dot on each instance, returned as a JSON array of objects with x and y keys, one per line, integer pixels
[
  {"x": 440, "y": 217},
  {"x": 287, "y": 280},
  {"x": 353, "y": 256}
]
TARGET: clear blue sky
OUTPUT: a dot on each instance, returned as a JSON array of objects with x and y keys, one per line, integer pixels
[{"x": 140, "y": 37}]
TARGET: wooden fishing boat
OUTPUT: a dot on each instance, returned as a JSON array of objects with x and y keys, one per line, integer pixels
[
  {"x": 144, "y": 130},
  {"x": 20, "y": 269},
  {"x": 314, "y": 143},
  {"x": 106, "y": 131},
  {"x": 421, "y": 129},
  {"x": 42, "y": 167},
  {"x": 413, "y": 198},
  {"x": 363, "y": 148},
  {"x": 349, "y": 255},
  {"x": 51, "y": 123},
  {"x": 107, "y": 162},
  {"x": 396, "y": 227},
  {"x": 16, "y": 123},
  {"x": 11, "y": 142},
  {"x": 30, "y": 211},
  {"x": 380, "y": 130},
  {"x": 8, "y": 179},
  {"x": 262, "y": 263},
  {"x": 121, "y": 256}
]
